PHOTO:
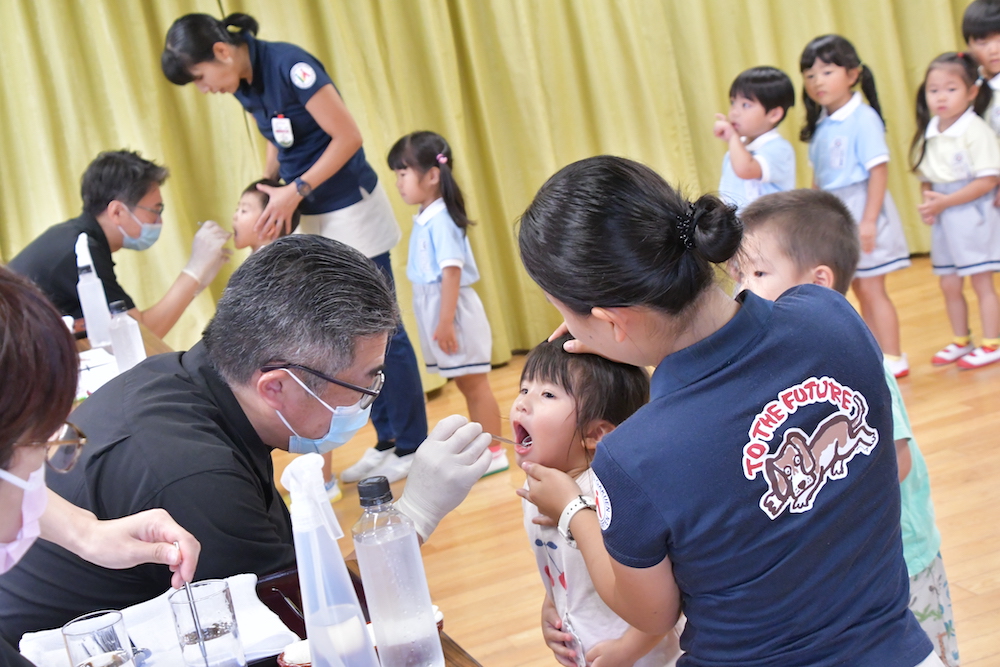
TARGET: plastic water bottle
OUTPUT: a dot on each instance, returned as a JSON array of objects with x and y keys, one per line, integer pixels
[
  {"x": 93, "y": 300},
  {"x": 392, "y": 572},
  {"x": 335, "y": 624},
  {"x": 126, "y": 339}
]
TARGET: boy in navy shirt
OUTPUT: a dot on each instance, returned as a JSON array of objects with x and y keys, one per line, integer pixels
[{"x": 760, "y": 161}]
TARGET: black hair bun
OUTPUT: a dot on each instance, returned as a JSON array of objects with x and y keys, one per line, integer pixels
[{"x": 715, "y": 229}]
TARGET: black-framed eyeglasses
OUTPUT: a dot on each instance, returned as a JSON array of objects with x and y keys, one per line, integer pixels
[
  {"x": 62, "y": 450},
  {"x": 158, "y": 212},
  {"x": 368, "y": 394}
]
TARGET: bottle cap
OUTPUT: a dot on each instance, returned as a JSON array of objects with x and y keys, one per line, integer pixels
[
  {"x": 374, "y": 491},
  {"x": 80, "y": 270},
  {"x": 118, "y": 307}
]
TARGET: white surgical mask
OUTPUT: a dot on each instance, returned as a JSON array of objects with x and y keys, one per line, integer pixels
[{"x": 36, "y": 497}]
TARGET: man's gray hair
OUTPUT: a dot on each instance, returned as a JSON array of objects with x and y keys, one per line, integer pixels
[{"x": 303, "y": 299}]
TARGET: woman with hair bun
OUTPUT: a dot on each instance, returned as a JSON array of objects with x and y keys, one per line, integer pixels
[
  {"x": 314, "y": 146},
  {"x": 756, "y": 491}
]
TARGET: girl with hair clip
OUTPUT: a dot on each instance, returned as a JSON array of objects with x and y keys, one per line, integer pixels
[
  {"x": 565, "y": 405},
  {"x": 706, "y": 494},
  {"x": 455, "y": 335},
  {"x": 315, "y": 146},
  {"x": 956, "y": 157},
  {"x": 850, "y": 158}
]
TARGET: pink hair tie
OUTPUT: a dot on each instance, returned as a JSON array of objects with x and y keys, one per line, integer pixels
[{"x": 442, "y": 158}]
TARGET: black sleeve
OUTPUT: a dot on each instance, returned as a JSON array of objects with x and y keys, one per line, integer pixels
[
  {"x": 238, "y": 532},
  {"x": 105, "y": 268},
  {"x": 9, "y": 657}
]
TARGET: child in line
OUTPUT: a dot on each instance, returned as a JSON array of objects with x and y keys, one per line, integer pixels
[
  {"x": 808, "y": 237},
  {"x": 981, "y": 30},
  {"x": 454, "y": 333},
  {"x": 566, "y": 404},
  {"x": 850, "y": 158},
  {"x": 957, "y": 157},
  {"x": 248, "y": 210},
  {"x": 759, "y": 161}
]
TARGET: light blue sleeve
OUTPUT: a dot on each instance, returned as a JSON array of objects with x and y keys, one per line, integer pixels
[
  {"x": 780, "y": 158},
  {"x": 870, "y": 139},
  {"x": 448, "y": 239},
  {"x": 900, "y": 420}
]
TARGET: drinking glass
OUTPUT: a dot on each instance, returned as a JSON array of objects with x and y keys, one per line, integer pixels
[
  {"x": 216, "y": 620},
  {"x": 98, "y": 639}
]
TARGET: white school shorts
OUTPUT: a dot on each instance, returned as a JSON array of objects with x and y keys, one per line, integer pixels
[
  {"x": 472, "y": 329},
  {"x": 965, "y": 239},
  {"x": 891, "y": 252},
  {"x": 368, "y": 226}
]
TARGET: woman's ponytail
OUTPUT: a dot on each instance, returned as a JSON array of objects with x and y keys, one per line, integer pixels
[
  {"x": 244, "y": 23},
  {"x": 716, "y": 231},
  {"x": 192, "y": 38}
]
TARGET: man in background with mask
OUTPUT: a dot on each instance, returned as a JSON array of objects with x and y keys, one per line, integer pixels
[
  {"x": 122, "y": 208},
  {"x": 292, "y": 360}
]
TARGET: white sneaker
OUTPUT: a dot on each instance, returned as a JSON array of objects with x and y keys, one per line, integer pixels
[
  {"x": 900, "y": 367},
  {"x": 979, "y": 357},
  {"x": 333, "y": 491},
  {"x": 498, "y": 464},
  {"x": 371, "y": 459},
  {"x": 951, "y": 353},
  {"x": 393, "y": 468}
]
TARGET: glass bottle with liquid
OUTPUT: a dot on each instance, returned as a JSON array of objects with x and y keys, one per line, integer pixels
[
  {"x": 392, "y": 573},
  {"x": 126, "y": 339}
]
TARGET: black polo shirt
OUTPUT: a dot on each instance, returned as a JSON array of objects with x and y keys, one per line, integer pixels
[
  {"x": 169, "y": 433},
  {"x": 9, "y": 657},
  {"x": 50, "y": 262}
]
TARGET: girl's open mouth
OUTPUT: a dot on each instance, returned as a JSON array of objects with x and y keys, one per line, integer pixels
[{"x": 522, "y": 438}]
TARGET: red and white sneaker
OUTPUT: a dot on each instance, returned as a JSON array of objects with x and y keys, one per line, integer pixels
[
  {"x": 979, "y": 357},
  {"x": 951, "y": 353},
  {"x": 899, "y": 367}
]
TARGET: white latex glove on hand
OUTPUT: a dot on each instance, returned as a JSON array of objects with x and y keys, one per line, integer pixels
[
  {"x": 452, "y": 458},
  {"x": 207, "y": 253}
]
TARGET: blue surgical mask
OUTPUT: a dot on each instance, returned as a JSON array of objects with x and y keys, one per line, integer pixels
[
  {"x": 345, "y": 421},
  {"x": 147, "y": 237}
]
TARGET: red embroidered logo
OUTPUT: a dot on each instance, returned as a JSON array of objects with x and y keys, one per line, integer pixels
[{"x": 803, "y": 463}]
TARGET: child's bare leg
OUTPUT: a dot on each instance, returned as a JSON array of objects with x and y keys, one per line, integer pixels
[
  {"x": 879, "y": 313},
  {"x": 483, "y": 406},
  {"x": 955, "y": 305},
  {"x": 989, "y": 307}
]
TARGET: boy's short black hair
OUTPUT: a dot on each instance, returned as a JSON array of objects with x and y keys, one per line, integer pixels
[
  {"x": 981, "y": 19},
  {"x": 814, "y": 228},
  {"x": 768, "y": 85},
  {"x": 264, "y": 198}
]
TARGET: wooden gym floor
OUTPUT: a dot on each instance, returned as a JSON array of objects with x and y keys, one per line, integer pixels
[{"x": 483, "y": 576}]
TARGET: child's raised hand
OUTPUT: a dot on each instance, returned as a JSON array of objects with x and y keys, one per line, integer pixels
[
  {"x": 445, "y": 337},
  {"x": 549, "y": 490},
  {"x": 553, "y": 635},
  {"x": 723, "y": 129}
]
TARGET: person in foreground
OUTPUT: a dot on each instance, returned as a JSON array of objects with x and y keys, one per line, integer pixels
[
  {"x": 807, "y": 237},
  {"x": 122, "y": 208},
  {"x": 565, "y": 405},
  {"x": 36, "y": 348},
  {"x": 292, "y": 360},
  {"x": 757, "y": 488}
]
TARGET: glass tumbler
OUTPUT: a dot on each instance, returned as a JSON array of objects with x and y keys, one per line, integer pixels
[
  {"x": 98, "y": 639},
  {"x": 213, "y": 608}
]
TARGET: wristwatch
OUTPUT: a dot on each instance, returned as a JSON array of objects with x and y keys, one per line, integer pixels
[
  {"x": 303, "y": 188},
  {"x": 577, "y": 504}
]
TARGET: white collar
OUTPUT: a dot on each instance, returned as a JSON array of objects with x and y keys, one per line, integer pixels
[
  {"x": 432, "y": 209},
  {"x": 956, "y": 129},
  {"x": 843, "y": 112},
  {"x": 994, "y": 82},
  {"x": 765, "y": 138}
]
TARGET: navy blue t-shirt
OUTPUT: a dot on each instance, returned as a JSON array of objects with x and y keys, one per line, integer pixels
[
  {"x": 285, "y": 77},
  {"x": 764, "y": 467}
]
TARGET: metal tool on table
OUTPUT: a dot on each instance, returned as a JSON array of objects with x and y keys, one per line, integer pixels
[{"x": 194, "y": 615}]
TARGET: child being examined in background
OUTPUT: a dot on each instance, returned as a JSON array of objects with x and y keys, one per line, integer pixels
[
  {"x": 809, "y": 237},
  {"x": 248, "y": 210},
  {"x": 759, "y": 161},
  {"x": 567, "y": 402}
]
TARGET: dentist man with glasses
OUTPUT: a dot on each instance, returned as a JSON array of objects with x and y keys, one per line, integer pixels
[{"x": 292, "y": 360}]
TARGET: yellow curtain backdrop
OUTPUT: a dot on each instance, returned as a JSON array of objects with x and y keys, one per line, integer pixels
[{"x": 519, "y": 87}]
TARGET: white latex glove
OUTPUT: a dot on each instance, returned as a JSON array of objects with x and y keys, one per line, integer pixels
[
  {"x": 452, "y": 458},
  {"x": 207, "y": 253}
]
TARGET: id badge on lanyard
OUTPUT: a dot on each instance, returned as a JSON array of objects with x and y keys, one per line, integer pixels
[{"x": 281, "y": 128}]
